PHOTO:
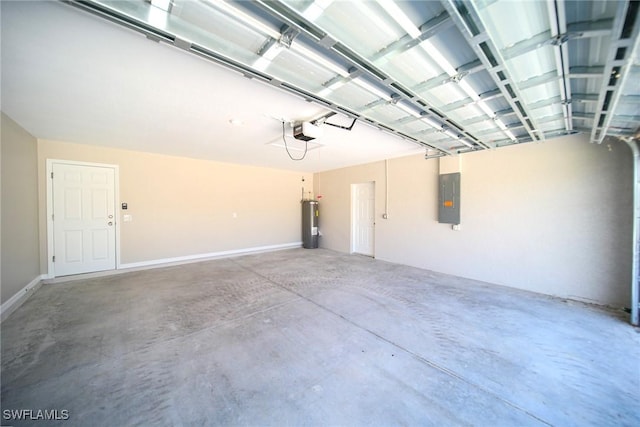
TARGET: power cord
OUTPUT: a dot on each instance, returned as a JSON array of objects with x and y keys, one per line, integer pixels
[{"x": 306, "y": 146}]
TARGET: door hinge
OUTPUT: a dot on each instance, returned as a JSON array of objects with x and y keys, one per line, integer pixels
[
  {"x": 54, "y": 258},
  {"x": 51, "y": 175}
]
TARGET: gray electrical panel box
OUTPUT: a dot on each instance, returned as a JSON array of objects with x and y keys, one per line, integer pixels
[
  {"x": 449, "y": 198},
  {"x": 310, "y": 215}
]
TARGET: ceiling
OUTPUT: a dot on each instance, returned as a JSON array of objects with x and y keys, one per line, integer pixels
[{"x": 378, "y": 79}]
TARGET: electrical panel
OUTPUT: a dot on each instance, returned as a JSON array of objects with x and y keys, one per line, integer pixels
[{"x": 449, "y": 198}]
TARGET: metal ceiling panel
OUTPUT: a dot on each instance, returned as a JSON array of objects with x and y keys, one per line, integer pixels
[
  {"x": 410, "y": 67},
  {"x": 303, "y": 72},
  {"x": 511, "y": 22},
  {"x": 386, "y": 113},
  {"x": 353, "y": 95},
  {"x": 453, "y": 46},
  {"x": 445, "y": 94},
  {"x": 358, "y": 25}
]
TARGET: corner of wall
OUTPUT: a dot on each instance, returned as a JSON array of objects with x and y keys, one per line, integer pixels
[{"x": 18, "y": 208}]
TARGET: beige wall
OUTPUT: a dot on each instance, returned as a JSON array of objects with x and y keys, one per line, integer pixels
[
  {"x": 551, "y": 217},
  {"x": 185, "y": 207},
  {"x": 20, "y": 262}
]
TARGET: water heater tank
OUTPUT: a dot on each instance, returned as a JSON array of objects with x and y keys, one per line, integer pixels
[{"x": 310, "y": 215}]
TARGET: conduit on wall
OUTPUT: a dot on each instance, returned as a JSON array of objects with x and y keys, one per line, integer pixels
[
  {"x": 386, "y": 189},
  {"x": 635, "y": 291}
]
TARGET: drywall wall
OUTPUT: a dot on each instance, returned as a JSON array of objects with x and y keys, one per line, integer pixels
[
  {"x": 19, "y": 209},
  {"x": 184, "y": 207},
  {"x": 552, "y": 217}
]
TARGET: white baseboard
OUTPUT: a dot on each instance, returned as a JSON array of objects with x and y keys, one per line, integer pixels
[
  {"x": 20, "y": 297},
  {"x": 212, "y": 255}
]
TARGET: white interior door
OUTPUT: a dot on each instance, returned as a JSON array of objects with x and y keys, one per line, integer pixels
[
  {"x": 84, "y": 230},
  {"x": 363, "y": 205}
]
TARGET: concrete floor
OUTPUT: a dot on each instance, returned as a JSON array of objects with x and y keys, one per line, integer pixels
[{"x": 314, "y": 337}]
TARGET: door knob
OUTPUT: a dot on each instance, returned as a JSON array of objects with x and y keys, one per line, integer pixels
[
  {"x": 110, "y": 216},
  {"x": 110, "y": 223}
]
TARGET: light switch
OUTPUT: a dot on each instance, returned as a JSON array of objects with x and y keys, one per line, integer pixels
[{"x": 127, "y": 218}]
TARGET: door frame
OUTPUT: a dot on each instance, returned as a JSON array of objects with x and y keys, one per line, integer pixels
[
  {"x": 51, "y": 272},
  {"x": 354, "y": 218}
]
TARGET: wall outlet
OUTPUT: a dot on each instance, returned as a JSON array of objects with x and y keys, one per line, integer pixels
[{"x": 456, "y": 227}]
